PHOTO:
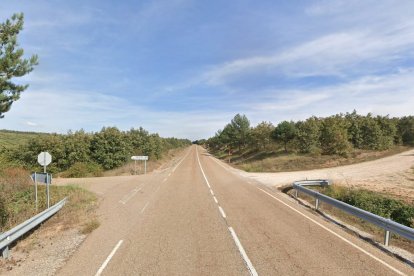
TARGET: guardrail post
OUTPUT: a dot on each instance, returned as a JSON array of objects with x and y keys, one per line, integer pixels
[
  {"x": 296, "y": 193},
  {"x": 5, "y": 252},
  {"x": 387, "y": 238},
  {"x": 316, "y": 203}
]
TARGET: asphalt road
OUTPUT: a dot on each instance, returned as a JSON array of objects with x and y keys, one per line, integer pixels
[{"x": 199, "y": 218}]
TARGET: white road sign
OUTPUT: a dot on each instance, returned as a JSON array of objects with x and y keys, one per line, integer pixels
[
  {"x": 143, "y": 158},
  {"x": 44, "y": 158}
]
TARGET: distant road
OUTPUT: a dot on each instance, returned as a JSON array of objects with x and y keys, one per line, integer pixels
[{"x": 199, "y": 218}]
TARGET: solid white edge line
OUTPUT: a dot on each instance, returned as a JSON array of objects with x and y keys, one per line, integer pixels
[
  {"x": 211, "y": 192},
  {"x": 202, "y": 171},
  {"x": 145, "y": 207},
  {"x": 219, "y": 162},
  {"x": 222, "y": 212},
  {"x": 101, "y": 269},
  {"x": 246, "y": 259},
  {"x": 215, "y": 199},
  {"x": 335, "y": 234}
]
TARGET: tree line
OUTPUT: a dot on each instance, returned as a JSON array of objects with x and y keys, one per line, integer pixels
[
  {"x": 106, "y": 149},
  {"x": 339, "y": 134}
]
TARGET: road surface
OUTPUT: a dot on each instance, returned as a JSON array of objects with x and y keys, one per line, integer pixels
[{"x": 199, "y": 218}]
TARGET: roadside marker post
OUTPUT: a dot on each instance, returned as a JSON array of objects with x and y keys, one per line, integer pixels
[{"x": 35, "y": 180}]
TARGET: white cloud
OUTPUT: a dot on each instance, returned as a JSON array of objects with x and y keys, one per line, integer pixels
[
  {"x": 290, "y": 100},
  {"x": 389, "y": 94},
  {"x": 339, "y": 54},
  {"x": 31, "y": 124}
]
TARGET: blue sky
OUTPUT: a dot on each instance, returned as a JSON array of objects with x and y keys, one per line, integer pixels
[{"x": 184, "y": 68}]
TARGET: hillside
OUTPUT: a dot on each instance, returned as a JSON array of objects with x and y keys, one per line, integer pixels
[{"x": 11, "y": 138}]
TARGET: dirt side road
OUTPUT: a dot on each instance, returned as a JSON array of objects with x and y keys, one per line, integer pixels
[{"x": 393, "y": 175}]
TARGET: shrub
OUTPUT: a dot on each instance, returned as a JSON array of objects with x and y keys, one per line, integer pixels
[
  {"x": 80, "y": 169},
  {"x": 396, "y": 210}
]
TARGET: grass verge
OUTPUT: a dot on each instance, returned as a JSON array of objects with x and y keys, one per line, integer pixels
[
  {"x": 17, "y": 202},
  {"x": 279, "y": 161}
]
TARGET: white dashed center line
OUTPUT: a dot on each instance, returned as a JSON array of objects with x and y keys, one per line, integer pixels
[
  {"x": 236, "y": 240},
  {"x": 101, "y": 269}
]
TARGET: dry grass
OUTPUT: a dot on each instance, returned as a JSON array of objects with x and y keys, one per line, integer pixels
[
  {"x": 17, "y": 200},
  {"x": 89, "y": 226},
  {"x": 278, "y": 161},
  {"x": 79, "y": 210}
]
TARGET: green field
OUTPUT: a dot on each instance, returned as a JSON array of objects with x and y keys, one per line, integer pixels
[{"x": 10, "y": 138}]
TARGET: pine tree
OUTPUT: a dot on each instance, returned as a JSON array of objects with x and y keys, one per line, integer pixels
[{"x": 12, "y": 63}]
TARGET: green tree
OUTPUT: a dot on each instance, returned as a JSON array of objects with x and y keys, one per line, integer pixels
[
  {"x": 77, "y": 147},
  {"x": 261, "y": 135},
  {"x": 388, "y": 128},
  {"x": 334, "y": 136},
  {"x": 110, "y": 148},
  {"x": 284, "y": 132},
  {"x": 406, "y": 130},
  {"x": 355, "y": 122},
  {"x": 371, "y": 133},
  {"x": 12, "y": 63},
  {"x": 241, "y": 128},
  {"x": 307, "y": 135},
  {"x": 27, "y": 154},
  {"x": 139, "y": 139},
  {"x": 227, "y": 137}
]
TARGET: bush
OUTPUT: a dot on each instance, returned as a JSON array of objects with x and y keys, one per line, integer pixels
[
  {"x": 396, "y": 210},
  {"x": 83, "y": 170}
]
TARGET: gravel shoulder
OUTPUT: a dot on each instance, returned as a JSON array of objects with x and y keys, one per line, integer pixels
[{"x": 43, "y": 253}]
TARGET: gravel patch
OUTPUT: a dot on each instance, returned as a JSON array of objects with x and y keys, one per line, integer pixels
[{"x": 43, "y": 253}]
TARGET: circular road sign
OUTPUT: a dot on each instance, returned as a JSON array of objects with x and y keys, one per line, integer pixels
[{"x": 44, "y": 158}]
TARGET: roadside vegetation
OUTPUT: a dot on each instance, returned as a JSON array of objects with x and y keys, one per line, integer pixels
[
  {"x": 374, "y": 202},
  {"x": 81, "y": 154},
  {"x": 17, "y": 202},
  {"x": 310, "y": 144}
]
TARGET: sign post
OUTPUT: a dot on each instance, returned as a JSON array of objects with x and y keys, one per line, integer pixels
[
  {"x": 44, "y": 158},
  {"x": 35, "y": 190},
  {"x": 37, "y": 178},
  {"x": 140, "y": 158}
]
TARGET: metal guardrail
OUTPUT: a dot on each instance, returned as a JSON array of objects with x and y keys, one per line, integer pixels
[
  {"x": 12, "y": 235},
  {"x": 386, "y": 224}
]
